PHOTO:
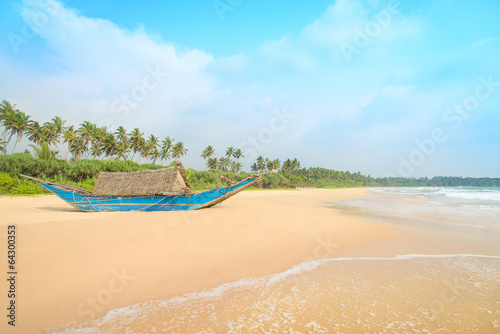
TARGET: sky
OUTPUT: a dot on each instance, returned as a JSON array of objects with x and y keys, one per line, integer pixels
[{"x": 387, "y": 88}]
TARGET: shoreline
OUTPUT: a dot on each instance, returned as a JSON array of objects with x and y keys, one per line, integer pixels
[
  {"x": 77, "y": 266},
  {"x": 267, "y": 302}
]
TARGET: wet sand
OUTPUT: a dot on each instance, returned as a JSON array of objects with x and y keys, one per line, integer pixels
[
  {"x": 75, "y": 267},
  {"x": 408, "y": 294}
]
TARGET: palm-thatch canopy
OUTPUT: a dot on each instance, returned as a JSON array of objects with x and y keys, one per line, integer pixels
[{"x": 165, "y": 181}]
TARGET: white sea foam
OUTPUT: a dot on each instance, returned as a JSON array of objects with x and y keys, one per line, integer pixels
[
  {"x": 478, "y": 194},
  {"x": 466, "y": 193},
  {"x": 472, "y": 206},
  {"x": 307, "y": 266},
  {"x": 217, "y": 291},
  {"x": 121, "y": 316}
]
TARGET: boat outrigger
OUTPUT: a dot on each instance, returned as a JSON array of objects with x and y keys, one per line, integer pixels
[{"x": 165, "y": 189}]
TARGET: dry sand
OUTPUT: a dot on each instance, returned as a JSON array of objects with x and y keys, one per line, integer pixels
[{"x": 74, "y": 266}]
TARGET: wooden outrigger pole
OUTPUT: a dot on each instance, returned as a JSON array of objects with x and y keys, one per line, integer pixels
[{"x": 60, "y": 185}]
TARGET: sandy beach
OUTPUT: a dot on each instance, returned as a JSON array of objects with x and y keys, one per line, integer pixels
[{"x": 75, "y": 267}]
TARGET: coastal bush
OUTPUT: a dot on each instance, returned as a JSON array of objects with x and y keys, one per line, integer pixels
[
  {"x": 203, "y": 180},
  {"x": 10, "y": 185},
  {"x": 270, "y": 181},
  {"x": 23, "y": 189},
  {"x": 6, "y": 182}
]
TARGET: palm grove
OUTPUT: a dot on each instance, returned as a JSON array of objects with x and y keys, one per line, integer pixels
[
  {"x": 85, "y": 141},
  {"x": 93, "y": 142}
]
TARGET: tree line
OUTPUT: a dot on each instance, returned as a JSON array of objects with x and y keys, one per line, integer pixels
[
  {"x": 224, "y": 163},
  {"x": 86, "y": 140},
  {"x": 89, "y": 141}
]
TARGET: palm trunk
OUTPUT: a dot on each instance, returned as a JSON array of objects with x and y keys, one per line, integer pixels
[
  {"x": 15, "y": 144},
  {"x": 20, "y": 143},
  {"x": 8, "y": 140},
  {"x": 67, "y": 151}
]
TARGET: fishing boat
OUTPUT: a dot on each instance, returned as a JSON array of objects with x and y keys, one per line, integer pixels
[{"x": 165, "y": 189}]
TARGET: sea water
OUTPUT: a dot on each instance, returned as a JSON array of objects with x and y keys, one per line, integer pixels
[{"x": 474, "y": 206}]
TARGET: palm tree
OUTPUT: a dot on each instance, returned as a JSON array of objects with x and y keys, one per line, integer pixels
[
  {"x": 212, "y": 164},
  {"x": 229, "y": 152},
  {"x": 290, "y": 166},
  {"x": 85, "y": 132},
  {"x": 273, "y": 164},
  {"x": 224, "y": 164},
  {"x": 59, "y": 129},
  {"x": 276, "y": 164},
  {"x": 48, "y": 133},
  {"x": 121, "y": 150},
  {"x": 166, "y": 146},
  {"x": 164, "y": 155},
  {"x": 136, "y": 140},
  {"x": 69, "y": 138},
  {"x": 155, "y": 154},
  {"x": 44, "y": 152},
  {"x": 238, "y": 153},
  {"x": 14, "y": 122},
  {"x": 121, "y": 134},
  {"x": 236, "y": 167},
  {"x": 254, "y": 167},
  {"x": 142, "y": 149},
  {"x": 35, "y": 132},
  {"x": 295, "y": 165},
  {"x": 178, "y": 150},
  {"x": 261, "y": 164},
  {"x": 207, "y": 154},
  {"x": 109, "y": 145},
  {"x": 19, "y": 125},
  {"x": 153, "y": 141},
  {"x": 122, "y": 145},
  {"x": 77, "y": 148},
  {"x": 150, "y": 146},
  {"x": 98, "y": 136},
  {"x": 6, "y": 118}
]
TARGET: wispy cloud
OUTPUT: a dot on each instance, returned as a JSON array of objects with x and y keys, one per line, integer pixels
[
  {"x": 370, "y": 28},
  {"x": 95, "y": 62}
]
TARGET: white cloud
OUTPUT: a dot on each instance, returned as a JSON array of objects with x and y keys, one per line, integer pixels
[
  {"x": 94, "y": 63},
  {"x": 371, "y": 27},
  {"x": 336, "y": 24},
  {"x": 284, "y": 50}
]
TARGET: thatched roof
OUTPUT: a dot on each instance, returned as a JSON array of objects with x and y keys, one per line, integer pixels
[{"x": 165, "y": 181}]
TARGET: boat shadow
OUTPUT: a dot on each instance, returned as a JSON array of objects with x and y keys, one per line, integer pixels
[{"x": 59, "y": 209}]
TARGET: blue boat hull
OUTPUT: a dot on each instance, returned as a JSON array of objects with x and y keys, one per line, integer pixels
[{"x": 150, "y": 203}]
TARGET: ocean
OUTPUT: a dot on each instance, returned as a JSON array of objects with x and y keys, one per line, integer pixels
[
  {"x": 407, "y": 293},
  {"x": 473, "y": 206}
]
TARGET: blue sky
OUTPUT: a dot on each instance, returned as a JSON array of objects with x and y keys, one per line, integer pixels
[{"x": 409, "y": 88}]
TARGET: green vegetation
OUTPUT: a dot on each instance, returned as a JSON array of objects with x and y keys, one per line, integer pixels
[
  {"x": 439, "y": 181},
  {"x": 83, "y": 173},
  {"x": 9, "y": 185},
  {"x": 95, "y": 149}
]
